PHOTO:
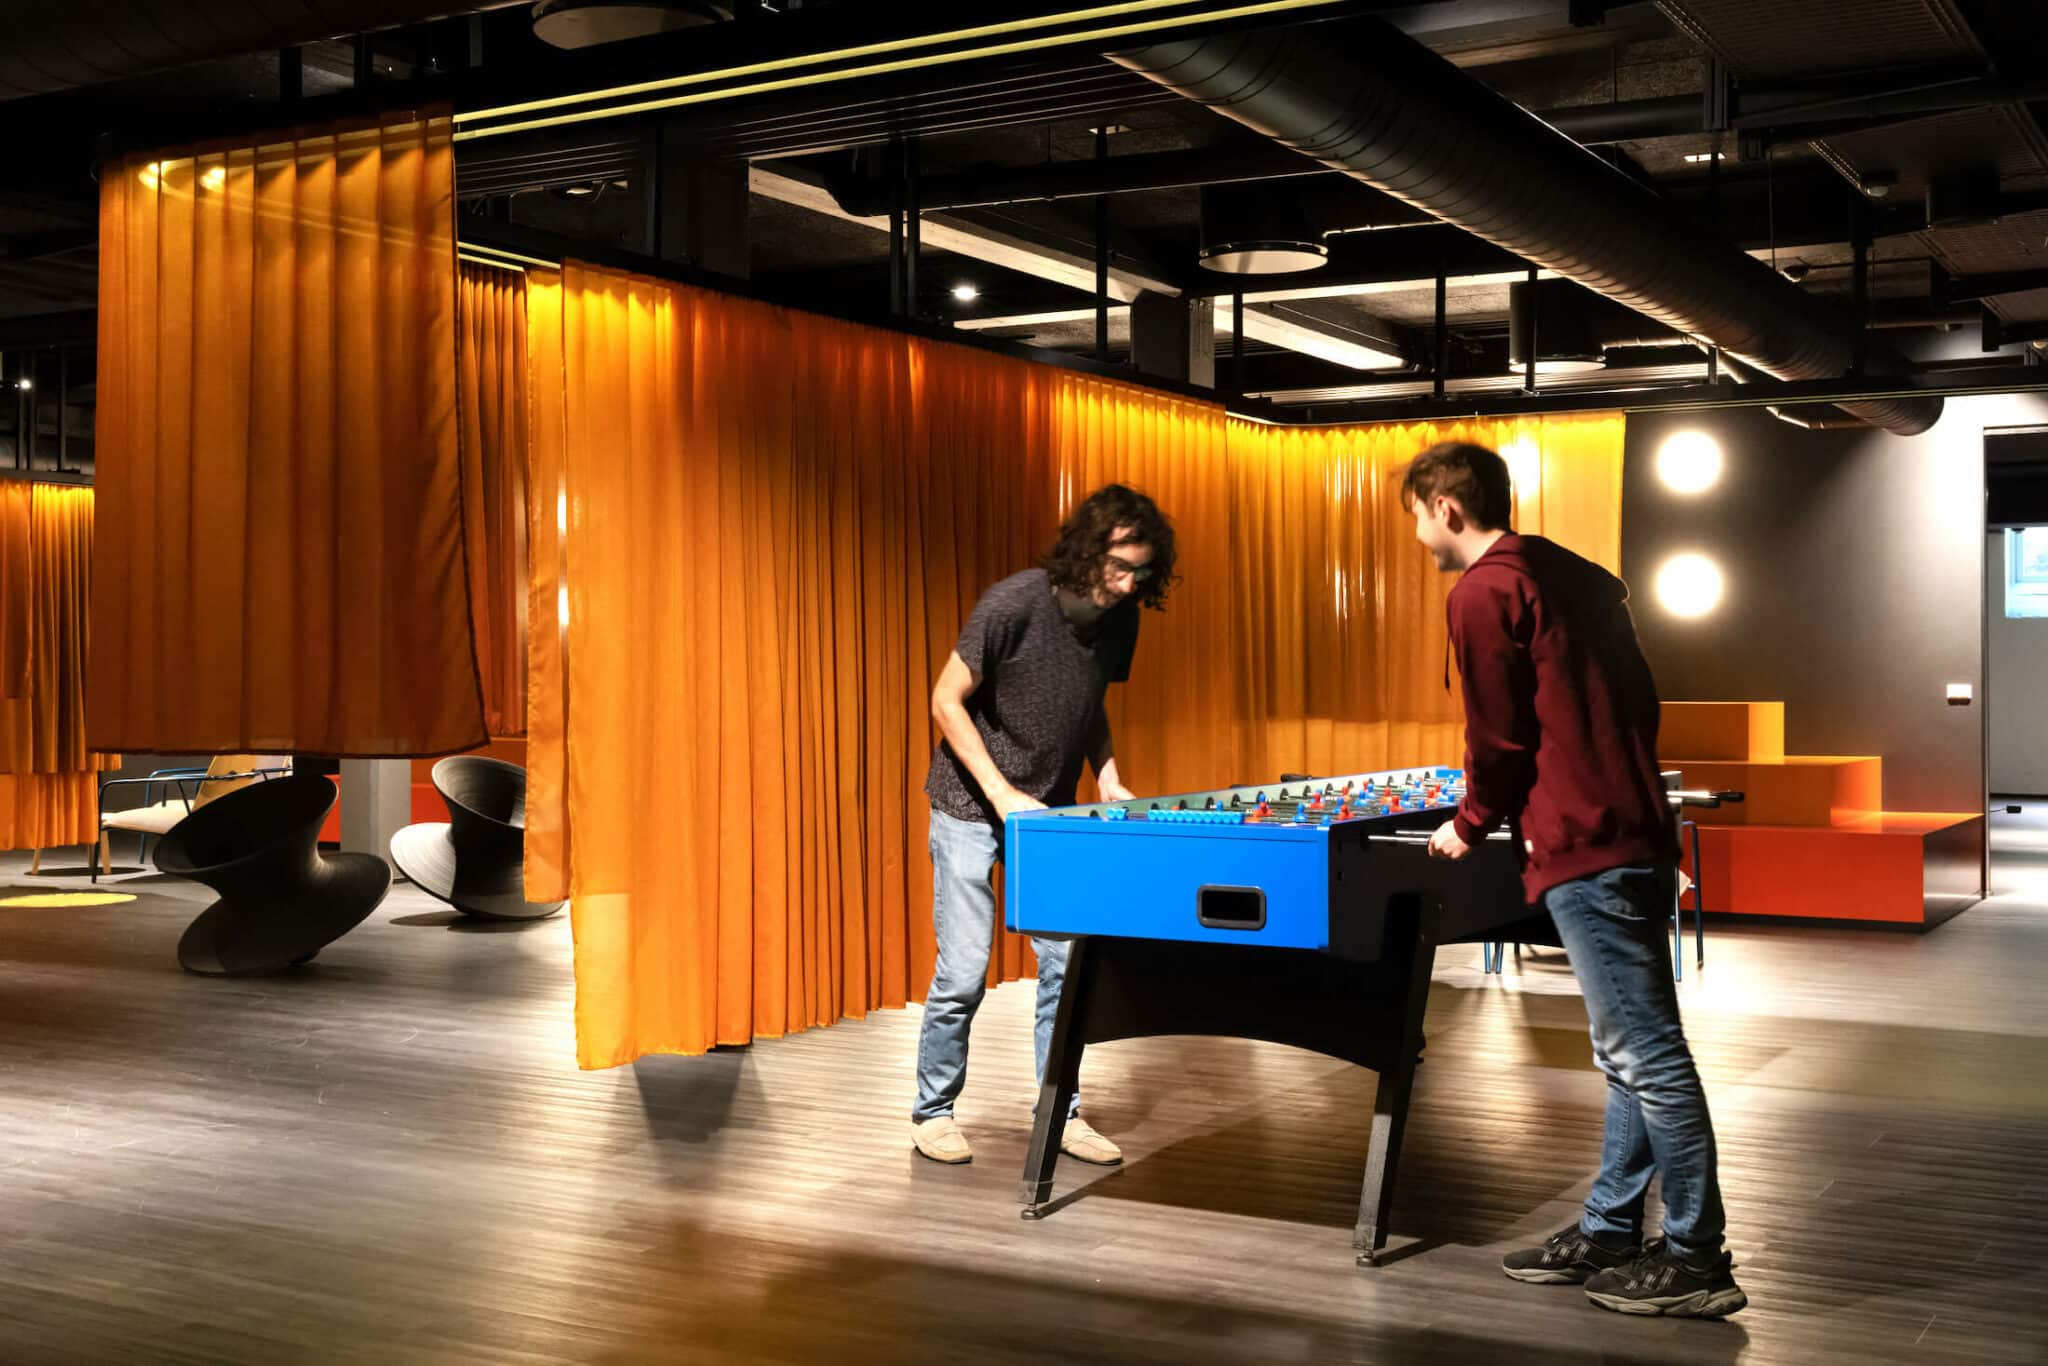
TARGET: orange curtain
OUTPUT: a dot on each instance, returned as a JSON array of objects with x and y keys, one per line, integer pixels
[
  {"x": 492, "y": 389},
  {"x": 281, "y": 503},
  {"x": 1343, "y": 657},
  {"x": 547, "y": 801},
  {"x": 14, "y": 578},
  {"x": 775, "y": 524},
  {"x": 47, "y": 771}
]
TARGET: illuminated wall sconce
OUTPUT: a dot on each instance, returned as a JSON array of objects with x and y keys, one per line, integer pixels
[
  {"x": 1689, "y": 462},
  {"x": 1689, "y": 585}
]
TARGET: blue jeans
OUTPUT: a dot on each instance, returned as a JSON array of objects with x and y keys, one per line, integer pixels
[
  {"x": 1615, "y": 927},
  {"x": 964, "y": 855}
]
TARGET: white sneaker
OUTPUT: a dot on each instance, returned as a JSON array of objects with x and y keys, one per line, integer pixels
[
  {"x": 941, "y": 1140},
  {"x": 1079, "y": 1140}
]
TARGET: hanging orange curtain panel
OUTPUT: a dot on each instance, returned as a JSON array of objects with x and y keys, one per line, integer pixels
[
  {"x": 280, "y": 486},
  {"x": 491, "y": 378},
  {"x": 775, "y": 524},
  {"x": 1343, "y": 656},
  {"x": 547, "y": 802},
  {"x": 48, "y": 772},
  {"x": 14, "y": 578}
]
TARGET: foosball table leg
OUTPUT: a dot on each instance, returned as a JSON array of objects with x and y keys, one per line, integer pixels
[
  {"x": 1390, "y": 1103},
  {"x": 1056, "y": 1089}
]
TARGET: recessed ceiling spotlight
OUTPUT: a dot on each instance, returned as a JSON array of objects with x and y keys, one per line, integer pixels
[
  {"x": 965, "y": 292},
  {"x": 24, "y": 383}
]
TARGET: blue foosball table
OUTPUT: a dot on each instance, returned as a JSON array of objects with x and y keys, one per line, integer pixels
[{"x": 1303, "y": 912}]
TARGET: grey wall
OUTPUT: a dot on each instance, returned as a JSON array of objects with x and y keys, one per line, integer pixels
[
  {"x": 1854, "y": 564},
  {"x": 2016, "y": 687}
]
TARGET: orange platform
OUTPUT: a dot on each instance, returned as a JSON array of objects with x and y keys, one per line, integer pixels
[
  {"x": 1909, "y": 868},
  {"x": 1811, "y": 839},
  {"x": 1800, "y": 789},
  {"x": 1722, "y": 730}
]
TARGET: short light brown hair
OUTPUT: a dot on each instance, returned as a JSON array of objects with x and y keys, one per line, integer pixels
[{"x": 1475, "y": 476}]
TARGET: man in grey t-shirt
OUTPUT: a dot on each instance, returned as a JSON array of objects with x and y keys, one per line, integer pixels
[{"x": 1019, "y": 703}]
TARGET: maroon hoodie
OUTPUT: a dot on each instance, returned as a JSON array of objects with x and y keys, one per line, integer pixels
[{"x": 1560, "y": 714}]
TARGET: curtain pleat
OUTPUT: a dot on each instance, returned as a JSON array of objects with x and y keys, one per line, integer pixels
[
  {"x": 775, "y": 525},
  {"x": 14, "y": 592},
  {"x": 47, "y": 768},
  {"x": 547, "y": 807},
  {"x": 493, "y": 403},
  {"x": 281, "y": 492}
]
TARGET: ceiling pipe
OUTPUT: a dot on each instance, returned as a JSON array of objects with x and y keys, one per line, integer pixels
[
  {"x": 59, "y": 47},
  {"x": 1380, "y": 107},
  {"x": 1814, "y": 417}
]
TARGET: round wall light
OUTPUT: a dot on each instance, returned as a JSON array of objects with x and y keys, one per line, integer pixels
[
  {"x": 1689, "y": 585},
  {"x": 1689, "y": 462}
]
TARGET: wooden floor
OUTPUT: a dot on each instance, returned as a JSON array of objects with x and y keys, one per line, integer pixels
[{"x": 389, "y": 1156}]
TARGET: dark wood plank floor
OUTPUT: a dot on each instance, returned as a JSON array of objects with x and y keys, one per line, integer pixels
[{"x": 390, "y": 1156}]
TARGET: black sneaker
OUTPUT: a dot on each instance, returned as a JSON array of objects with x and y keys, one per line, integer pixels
[
  {"x": 1569, "y": 1256},
  {"x": 1660, "y": 1281}
]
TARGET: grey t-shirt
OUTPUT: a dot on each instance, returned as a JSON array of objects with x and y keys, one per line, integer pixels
[{"x": 1039, "y": 703}]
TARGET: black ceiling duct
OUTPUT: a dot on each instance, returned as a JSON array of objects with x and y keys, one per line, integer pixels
[
  {"x": 1384, "y": 109},
  {"x": 56, "y": 47}
]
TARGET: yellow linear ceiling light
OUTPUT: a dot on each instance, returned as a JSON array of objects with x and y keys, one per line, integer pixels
[{"x": 1002, "y": 49}]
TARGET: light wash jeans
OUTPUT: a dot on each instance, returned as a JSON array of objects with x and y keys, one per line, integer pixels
[
  {"x": 1616, "y": 928},
  {"x": 964, "y": 855}
]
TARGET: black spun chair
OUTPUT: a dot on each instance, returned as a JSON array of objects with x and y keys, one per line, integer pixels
[
  {"x": 474, "y": 861},
  {"x": 281, "y": 899}
]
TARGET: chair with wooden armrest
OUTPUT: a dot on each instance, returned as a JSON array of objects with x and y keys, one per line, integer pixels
[{"x": 189, "y": 789}]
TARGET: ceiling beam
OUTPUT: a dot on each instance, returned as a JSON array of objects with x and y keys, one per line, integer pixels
[
  {"x": 1010, "y": 249},
  {"x": 1014, "y": 251}
]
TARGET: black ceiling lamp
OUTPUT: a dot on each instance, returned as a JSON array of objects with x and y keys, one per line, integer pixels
[
  {"x": 587, "y": 23},
  {"x": 1256, "y": 230},
  {"x": 1559, "y": 313}
]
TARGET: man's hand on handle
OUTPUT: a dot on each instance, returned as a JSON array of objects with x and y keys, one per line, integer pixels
[
  {"x": 1009, "y": 799},
  {"x": 1446, "y": 844}
]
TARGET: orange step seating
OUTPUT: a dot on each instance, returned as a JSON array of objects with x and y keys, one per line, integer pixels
[{"x": 1812, "y": 839}]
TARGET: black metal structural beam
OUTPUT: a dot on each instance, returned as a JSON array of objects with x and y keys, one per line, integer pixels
[{"x": 1761, "y": 393}]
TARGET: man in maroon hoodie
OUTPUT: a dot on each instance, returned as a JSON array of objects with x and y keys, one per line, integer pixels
[{"x": 1561, "y": 741}]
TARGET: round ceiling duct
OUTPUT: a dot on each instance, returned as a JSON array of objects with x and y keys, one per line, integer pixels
[
  {"x": 587, "y": 23},
  {"x": 1250, "y": 230}
]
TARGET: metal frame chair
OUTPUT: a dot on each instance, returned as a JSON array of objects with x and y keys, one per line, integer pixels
[
  {"x": 101, "y": 856},
  {"x": 1493, "y": 956}
]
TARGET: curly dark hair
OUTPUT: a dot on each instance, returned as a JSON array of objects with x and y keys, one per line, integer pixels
[{"x": 1075, "y": 562}]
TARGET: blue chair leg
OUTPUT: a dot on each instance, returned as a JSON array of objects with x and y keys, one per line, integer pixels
[
  {"x": 1677, "y": 927},
  {"x": 1699, "y": 900},
  {"x": 1677, "y": 938}
]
